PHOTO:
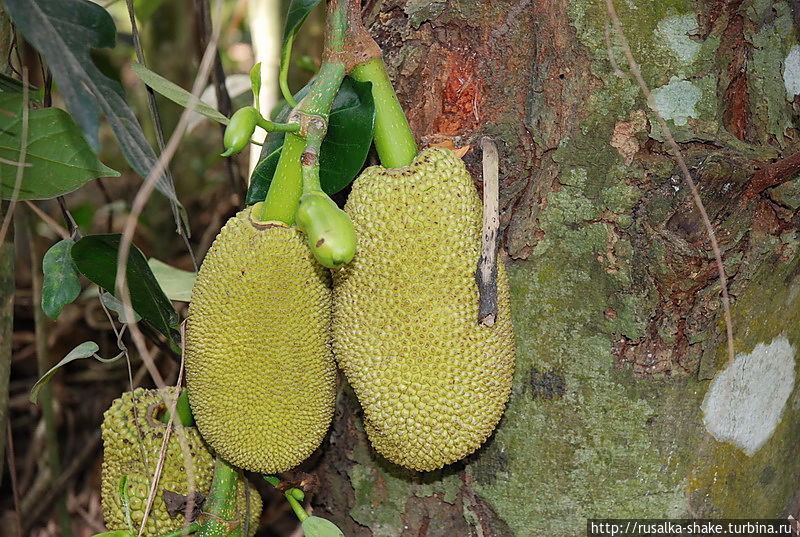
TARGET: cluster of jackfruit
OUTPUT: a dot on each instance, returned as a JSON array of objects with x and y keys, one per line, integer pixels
[
  {"x": 432, "y": 381},
  {"x": 259, "y": 366},
  {"x": 132, "y": 440}
]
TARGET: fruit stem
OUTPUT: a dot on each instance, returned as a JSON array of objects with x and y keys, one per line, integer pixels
[
  {"x": 220, "y": 516},
  {"x": 297, "y": 507},
  {"x": 311, "y": 114},
  {"x": 271, "y": 126},
  {"x": 293, "y": 495},
  {"x": 285, "y": 189},
  {"x": 182, "y": 411},
  {"x": 393, "y": 137}
]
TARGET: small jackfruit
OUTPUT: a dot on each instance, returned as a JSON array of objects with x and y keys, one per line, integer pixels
[
  {"x": 431, "y": 381},
  {"x": 259, "y": 367},
  {"x": 132, "y": 439}
]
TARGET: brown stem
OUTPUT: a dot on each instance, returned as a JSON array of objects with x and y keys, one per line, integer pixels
[{"x": 771, "y": 175}]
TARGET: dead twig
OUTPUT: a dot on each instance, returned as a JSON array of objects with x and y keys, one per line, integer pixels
[
  {"x": 487, "y": 264},
  {"x": 12, "y": 470},
  {"x": 52, "y": 224}
]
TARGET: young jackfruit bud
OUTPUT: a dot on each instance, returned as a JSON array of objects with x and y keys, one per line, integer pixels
[
  {"x": 328, "y": 229},
  {"x": 240, "y": 129}
]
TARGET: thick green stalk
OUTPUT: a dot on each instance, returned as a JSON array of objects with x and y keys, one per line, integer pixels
[
  {"x": 222, "y": 518},
  {"x": 312, "y": 113},
  {"x": 286, "y": 187},
  {"x": 393, "y": 137}
]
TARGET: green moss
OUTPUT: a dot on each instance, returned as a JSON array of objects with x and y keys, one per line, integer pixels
[
  {"x": 724, "y": 481},
  {"x": 382, "y": 490}
]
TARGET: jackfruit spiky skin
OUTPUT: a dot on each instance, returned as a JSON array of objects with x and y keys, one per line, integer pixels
[
  {"x": 431, "y": 381},
  {"x": 259, "y": 366},
  {"x": 132, "y": 438}
]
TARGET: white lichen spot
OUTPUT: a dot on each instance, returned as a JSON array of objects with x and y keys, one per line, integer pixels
[
  {"x": 677, "y": 100},
  {"x": 791, "y": 72},
  {"x": 745, "y": 401},
  {"x": 676, "y": 34}
]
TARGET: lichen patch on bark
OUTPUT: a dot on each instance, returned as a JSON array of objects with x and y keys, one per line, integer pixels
[{"x": 745, "y": 402}]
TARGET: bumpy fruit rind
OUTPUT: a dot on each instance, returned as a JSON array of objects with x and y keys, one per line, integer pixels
[
  {"x": 132, "y": 439},
  {"x": 432, "y": 382},
  {"x": 260, "y": 371}
]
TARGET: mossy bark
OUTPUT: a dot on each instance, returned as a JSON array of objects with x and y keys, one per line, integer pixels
[{"x": 615, "y": 291}]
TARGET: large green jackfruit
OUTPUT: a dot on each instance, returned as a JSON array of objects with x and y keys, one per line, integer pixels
[
  {"x": 259, "y": 367},
  {"x": 132, "y": 439},
  {"x": 431, "y": 381}
]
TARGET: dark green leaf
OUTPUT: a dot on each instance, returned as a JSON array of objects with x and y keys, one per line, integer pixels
[
  {"x": 65, "y": 32},
  {"x": 96, "y": 258},
  {"x": 315, "y": 526},
  {"x": 84, "y": 350},
  {"x": 343, "y": 150},
  {"x": 60, "y": 284},
  {"x": 58, "y": 159},
  {"x": 175, "y": 93},
  {"x": 296, "y": 16}
]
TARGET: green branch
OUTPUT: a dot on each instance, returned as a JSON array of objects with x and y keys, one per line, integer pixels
[
  {"x": 220, "y": 516},
  {"x": 312, "y": 115},
  {"x": 394, "y": 140}
]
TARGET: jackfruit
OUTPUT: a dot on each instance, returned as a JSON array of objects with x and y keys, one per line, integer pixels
[
  {"x": 132, "y": 439},
  {"x": 432, "y": 382},
  {"x": 259, "y": 367}
]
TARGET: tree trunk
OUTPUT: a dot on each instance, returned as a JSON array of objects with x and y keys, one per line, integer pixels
[{"x": 624, "y": 404}]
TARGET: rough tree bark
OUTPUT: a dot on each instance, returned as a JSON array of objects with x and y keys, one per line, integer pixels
[{"x": 624, "y": 404}]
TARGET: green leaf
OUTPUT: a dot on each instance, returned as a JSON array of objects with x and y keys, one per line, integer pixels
[
  {"x": 343, "y": 150},
  {"x": 315, "y": 526},
  {"x": 84, "y": 350},
  {"x": 176, "y": 283},
  {"x": 255, "y": 83},
  {"x": 65, "y": 32},
  {"x": 175, "y": 93},
  {"x": 96, "y": 257},
  {"x": 58, "y": 159},
  {"x": 296, "y": 16},
  {"x": 110, "y": 302},
  {"x": 60, "y": 284},
  {"x": 12, "y": 85}
]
